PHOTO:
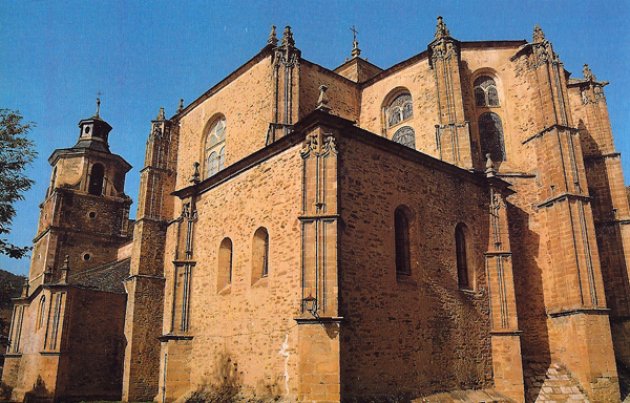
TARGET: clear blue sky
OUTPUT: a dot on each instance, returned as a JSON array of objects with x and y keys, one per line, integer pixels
[{"x": 56, "y": 55}]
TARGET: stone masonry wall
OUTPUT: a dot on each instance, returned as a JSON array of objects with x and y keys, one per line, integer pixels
[
  {"x": 246, "y": 104},
  {"x": 249, "y": 324},
  {"x": 415, "y": 334},
  {"x": 419, "y": 80}
]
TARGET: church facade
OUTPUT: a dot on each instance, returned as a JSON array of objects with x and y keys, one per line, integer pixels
[{"x": 456, "y": 224}]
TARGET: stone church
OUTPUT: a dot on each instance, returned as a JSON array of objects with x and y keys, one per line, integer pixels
[{"x": 454, "y": 226}]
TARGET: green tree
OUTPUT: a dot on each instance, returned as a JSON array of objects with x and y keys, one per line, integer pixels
[{"x": 16, "y": 153}]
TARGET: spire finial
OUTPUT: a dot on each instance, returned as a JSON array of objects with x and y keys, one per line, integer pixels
[
  {"x": 161, "y": 115},
  {"x": 273, "y": 39},
  {"x": 180, "y": 108},
  {"x": 195, "y": 176},
  {"x": 355, "y": 43},
  {"x": 539, "y": 35},
  {"x": 287, "y": 37},
  {"x": 588, "y": 74},
  {"x": 98, "y": 104},
  {"x": 441, "y": 30},
  {"x": 322, "y": 101}
]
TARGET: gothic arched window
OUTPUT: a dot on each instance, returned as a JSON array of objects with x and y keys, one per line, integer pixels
[
  {"x": 260, "y": 254},
  {"x": 486, "y": 93},
  {"x": 215, "y": 148},
  {"x": 461, "y": 250},
  {"x": 399, "y": 110},
  {"x": 491, "y": 136},
  {"x": 401, "y": 228},
  {"x": 405, "y": 136},
  {"x": 225, "y": 264},
  {"x": 97, "y": 175}
]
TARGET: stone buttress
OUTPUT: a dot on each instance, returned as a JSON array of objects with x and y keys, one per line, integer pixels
[{"x": 145, "y": 284}]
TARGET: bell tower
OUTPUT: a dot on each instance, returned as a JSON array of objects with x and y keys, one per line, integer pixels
[{"x": 85, "y": 214}]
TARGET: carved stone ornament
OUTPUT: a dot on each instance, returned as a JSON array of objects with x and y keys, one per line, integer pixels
[
  {"x": 287, "y": 37},
  {"x": 322, "y": 101},
  {"x": 273, "y": 40},
  {"x": 538, "y": 36},
  {"x": 588, "y": 73},
  {"x": 319, "y": 144},
  {"x": 490, "y": 170},
  {"x": 441, "y": 31},
  {"x": 195, "y": 179}
]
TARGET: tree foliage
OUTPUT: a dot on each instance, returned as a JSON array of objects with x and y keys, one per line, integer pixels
[{"x": 16, "y": 153}]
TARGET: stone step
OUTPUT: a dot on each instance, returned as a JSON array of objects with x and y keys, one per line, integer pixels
[{"x": 556, "y": 385}]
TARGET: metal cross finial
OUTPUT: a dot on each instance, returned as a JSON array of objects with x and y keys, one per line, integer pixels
[
  {"x": 355, "y": 43},
  {"x": 98, "y": 103}
]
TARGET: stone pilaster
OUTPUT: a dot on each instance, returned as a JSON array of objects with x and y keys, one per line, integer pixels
[
  {"x": 286, "y": 72},
  {"x": 452, "y": 130},
  {"x": 319, "y": 326},
  {"x": 505, "y": 334}
]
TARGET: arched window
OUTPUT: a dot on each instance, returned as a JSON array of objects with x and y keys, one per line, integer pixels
[
  {"x": 224, "y": 273},
  {"x": 405, "y": 136},
  {"x": 461, "y": 249},
  {"x": 215, "y": 148},
  {"x": 403, "y": 256},
  {"x": 486, "y": 93},
  {"x": 96, "y": 180},
  {"x": 40, "y": 312},
  {"x": 260, "y": 254},
  {"x": 491, "y": 136},
  {"x": 399, "y": 110}
]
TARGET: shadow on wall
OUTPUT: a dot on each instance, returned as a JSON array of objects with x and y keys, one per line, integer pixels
[
  {"x": 5, "y": 392},
  {"x": 39, "y": 393},
  {"x": 530, "y": 302},
  {"x": 227, "y": 387}
]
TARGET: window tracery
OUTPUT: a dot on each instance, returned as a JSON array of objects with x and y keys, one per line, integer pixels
[
  {"x": 215, "y": 148},
  {"x": 486, "y": 93},
  {"x": 399, "y": 110},
  {"x": 405, "y": 136}
]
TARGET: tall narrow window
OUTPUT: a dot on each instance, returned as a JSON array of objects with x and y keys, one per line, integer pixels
[
  {"x": 399, "y": 110},
  {"x": 486, "y": 93},
  {"x": 40, "y": 312},
  {"x": 225, "y": 264},
  {"x": 260, "y": 254},
  {"x": 97, "y": 175},
  {"x": 491, "y": 136},
  {"x": 461, "y": 249},
  {"x": 401, "y": 224},
  {"x": 215, "y": 148}
]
